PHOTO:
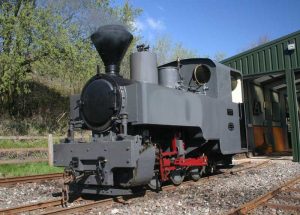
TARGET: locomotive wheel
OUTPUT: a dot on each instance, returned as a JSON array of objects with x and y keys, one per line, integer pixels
[
  {"x": 177, "y": 176},
  {"x": 154, "y": 184},
  {"x": 196, "y": 173},
  {"x": 211, "y": 168}
]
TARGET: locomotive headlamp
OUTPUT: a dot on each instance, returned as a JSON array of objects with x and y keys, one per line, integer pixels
[
  {"x": 201, "y": 74},
  {"x": 234, "y": 82}
]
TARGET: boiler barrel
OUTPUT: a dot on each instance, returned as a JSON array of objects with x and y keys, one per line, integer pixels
[{"x": 143, "y": 67}]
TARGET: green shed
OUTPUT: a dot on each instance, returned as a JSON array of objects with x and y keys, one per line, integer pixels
[{"x": 271, "y": 94}]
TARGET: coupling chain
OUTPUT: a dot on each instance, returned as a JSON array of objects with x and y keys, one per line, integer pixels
[{"x": 68, "y": 177}]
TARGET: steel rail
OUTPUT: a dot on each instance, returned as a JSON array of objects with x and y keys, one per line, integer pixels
[
  {"x": 31, "y": 207},
  {"x": 27, "y": 179},
  {"x": 283, "y": 207},
  {"x": 255, "y": 203},
  {"x": 249, "y": 167},
  {"x": 80, "y": 208},
  {"x": 288, "y": 198},
  {"x": 211, "y": 177}
]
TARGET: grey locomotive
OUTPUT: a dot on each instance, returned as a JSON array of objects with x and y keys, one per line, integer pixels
[{"x": 164, "y": 124}]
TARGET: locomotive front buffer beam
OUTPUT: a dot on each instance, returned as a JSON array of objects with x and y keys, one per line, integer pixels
[{"x": 107, "y": 167}]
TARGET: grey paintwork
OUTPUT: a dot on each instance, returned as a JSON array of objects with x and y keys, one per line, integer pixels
[
  {"x": 168, "y": 77},
  {"x": 159, "y": 105},
  {"x": 106, "y": 191},
  {"x": 74, "y": 107},
  {"x": 127, "y": 153},
  {"x": 148, "y": 103},
  {"x": 143, "y": 67}
]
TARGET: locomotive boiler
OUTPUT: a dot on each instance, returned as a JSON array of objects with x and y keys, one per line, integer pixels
[{"x": 164, "y": 124}]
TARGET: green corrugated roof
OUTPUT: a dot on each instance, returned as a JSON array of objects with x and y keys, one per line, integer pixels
[{"x": 269, "y": 57}]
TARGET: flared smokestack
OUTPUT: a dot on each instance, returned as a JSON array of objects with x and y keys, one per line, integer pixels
[{"x": 112, "y": 42}]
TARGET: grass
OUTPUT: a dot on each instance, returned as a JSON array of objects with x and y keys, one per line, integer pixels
[
  {"x": 8, "y": 144},
  {"x": 14, "y": 170}
]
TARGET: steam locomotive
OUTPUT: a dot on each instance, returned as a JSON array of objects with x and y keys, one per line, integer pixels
[{"x": 164, "y": 124}]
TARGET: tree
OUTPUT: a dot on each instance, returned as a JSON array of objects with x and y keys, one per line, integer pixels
[
  {"x": 46, "y": 54},
  {"x": 162, "y": 48},
  {"x": 219, "y": 56},
  {"x": 20, "y": 24},
  {"x": 179, "y": 51},
  {"x": 260, "y": 41},
  {"x": 85, "y": 17},
  {"x": 50, "y": 39},
  {"x": 167, "y": 50},
  {"x": 127, "y": 14}
]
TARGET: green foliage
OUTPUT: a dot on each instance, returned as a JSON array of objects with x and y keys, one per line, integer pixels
[
  {"x": 127, "y": 15},
  {"x": 13, "y": 47},
  {"x": 29, "y": 37},
  {"x": 48, "y": 39},
  {"x": 14, "y": 170},
  {"x": 43, "y": 110},
  {"x": 11, "y": 144},
  {"x": 47, "y": 43},
  {"x": 46, "y": 55}
]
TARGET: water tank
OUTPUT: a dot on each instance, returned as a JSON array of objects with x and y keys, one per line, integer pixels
[
  {"x": 143, "y": 67},
  {"x": 168, "y": 77}
]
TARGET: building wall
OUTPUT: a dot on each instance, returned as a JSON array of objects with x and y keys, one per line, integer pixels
[{"x": 268, "y": 127}]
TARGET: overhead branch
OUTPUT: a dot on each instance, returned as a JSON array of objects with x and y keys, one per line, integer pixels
[
  {"x": 68, "y": 18},
  {"x": 18, "y": 7}
]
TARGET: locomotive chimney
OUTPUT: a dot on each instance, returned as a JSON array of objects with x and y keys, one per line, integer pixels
[{"x": 112, "y": 42}]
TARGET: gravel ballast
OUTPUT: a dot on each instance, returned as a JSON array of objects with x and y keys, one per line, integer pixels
[
  {"x": 218, "y": 195},
  {"x": 27, "y": 193}
]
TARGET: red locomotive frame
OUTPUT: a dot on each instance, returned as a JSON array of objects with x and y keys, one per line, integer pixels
[{"x": 167, "y": 163}]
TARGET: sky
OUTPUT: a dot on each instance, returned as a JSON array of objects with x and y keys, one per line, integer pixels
[{"x": 212, "y": 26}]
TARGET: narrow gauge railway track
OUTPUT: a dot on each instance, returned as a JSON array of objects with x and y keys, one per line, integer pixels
[
  {"x": 27, "y": 179},
  {"x": 265, "y": 201},
  {"x": 50, "y": 207},
  {"x": 31, "y": 207}
]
